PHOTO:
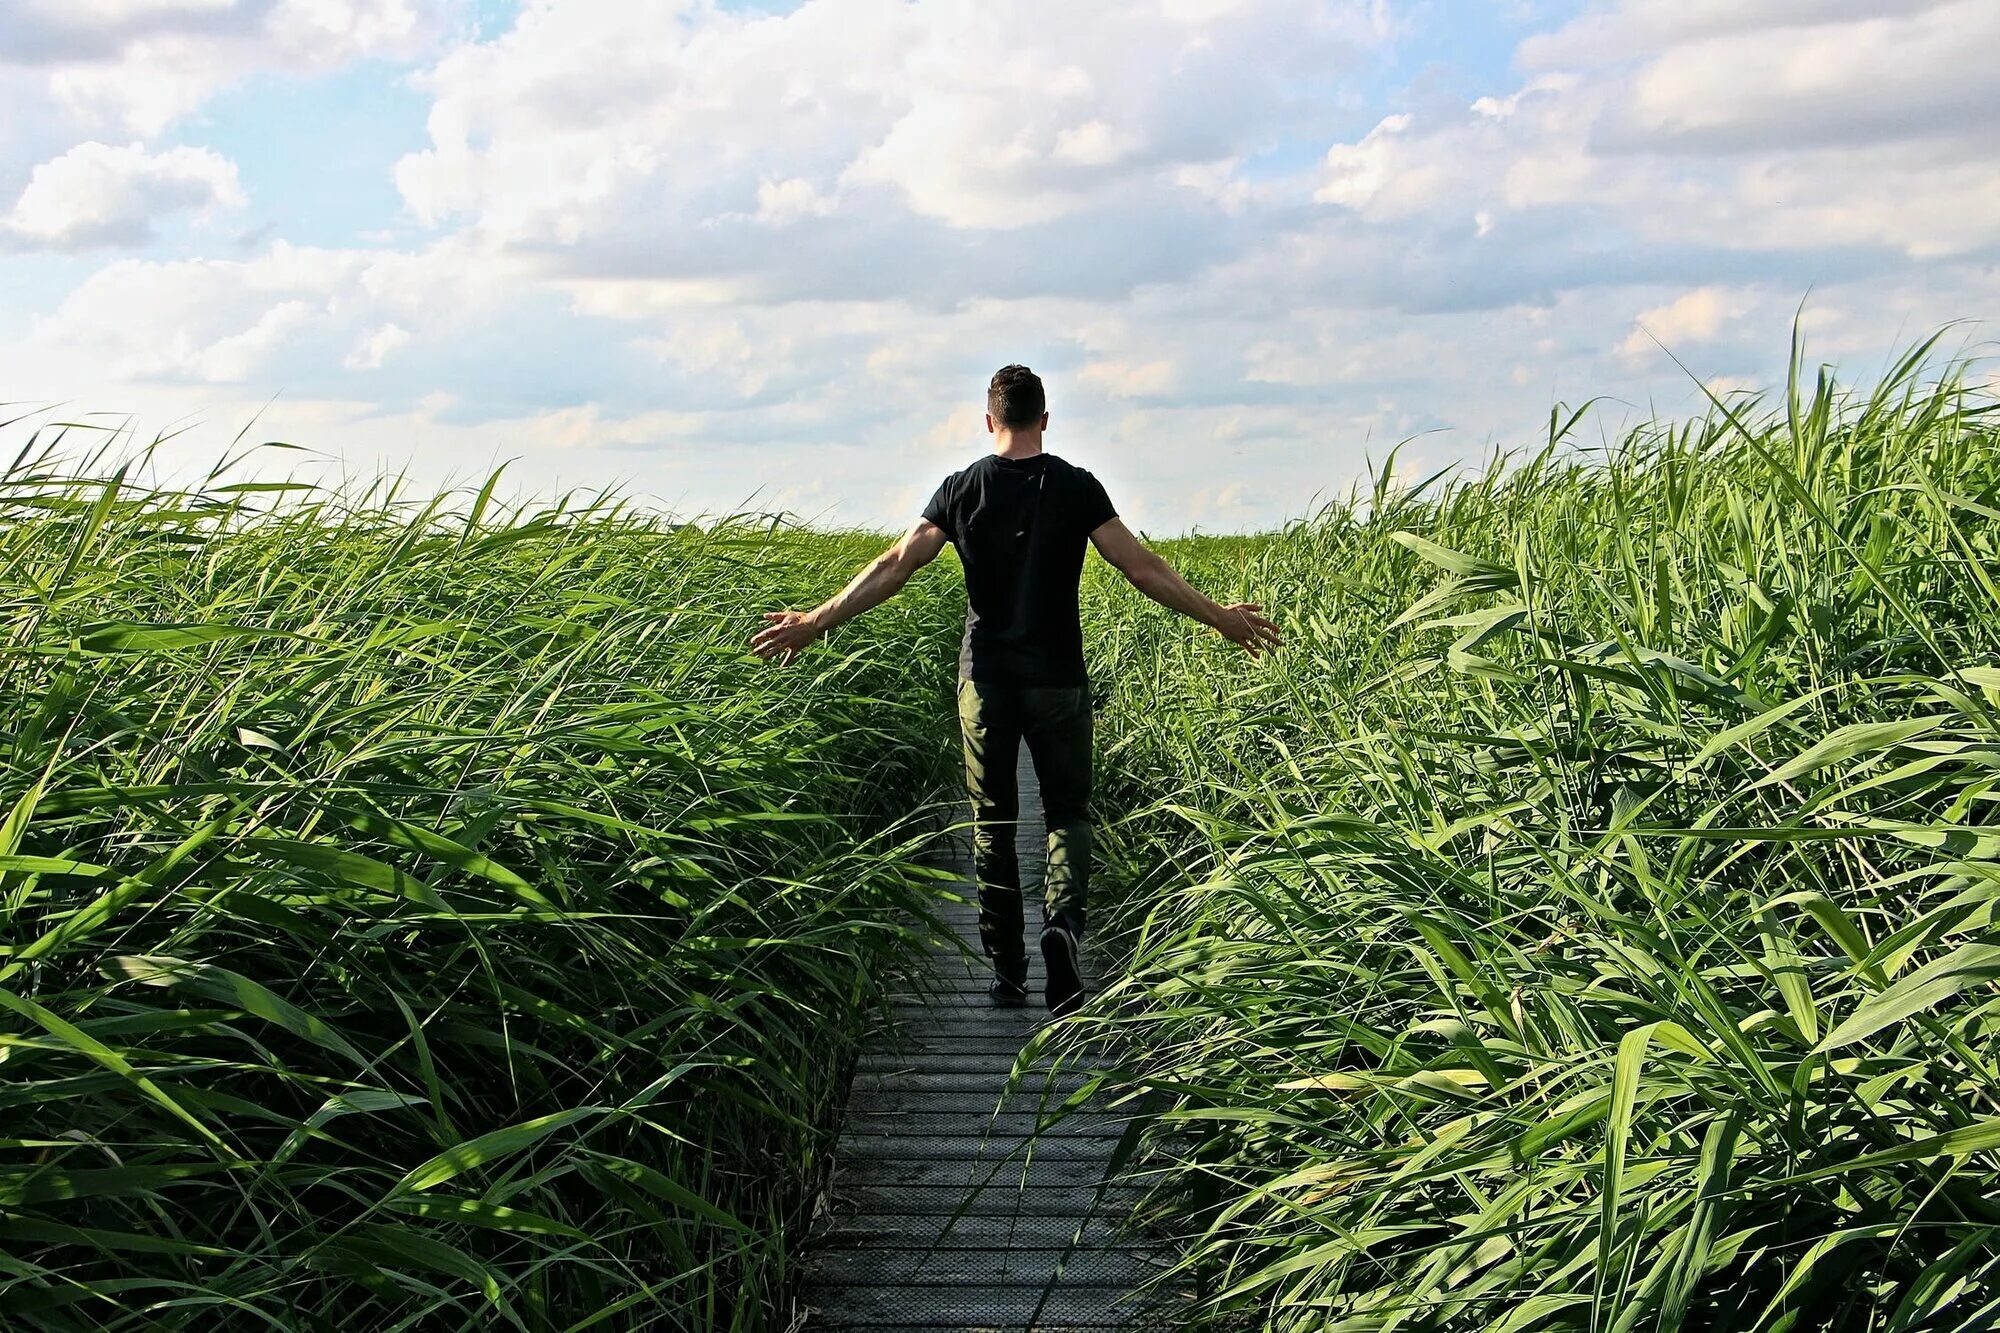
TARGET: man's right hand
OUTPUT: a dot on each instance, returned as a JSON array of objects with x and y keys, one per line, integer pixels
[{"x": 1243, "y": 624}]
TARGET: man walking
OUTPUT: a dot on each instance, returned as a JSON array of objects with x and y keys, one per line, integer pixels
[{"x": 1020, "y": 518}]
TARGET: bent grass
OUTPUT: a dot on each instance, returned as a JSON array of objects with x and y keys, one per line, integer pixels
[
  {"x": 1587, "y": 921},
  {"x": 423, "y": 914}
]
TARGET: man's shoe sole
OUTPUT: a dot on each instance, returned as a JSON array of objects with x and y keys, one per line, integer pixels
[{"x": 1065, "y": 983}]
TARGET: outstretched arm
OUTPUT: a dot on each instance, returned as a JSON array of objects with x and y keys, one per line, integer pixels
[
  {"x": 1241, "y": 623},
  {"x": 786, "y": 632}
]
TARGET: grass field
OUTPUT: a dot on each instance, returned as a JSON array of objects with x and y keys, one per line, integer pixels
[
  {"x": 1587, "y": 922},
  {"x": 425, "y": 915},
  {"x": 418, "y": 915}
]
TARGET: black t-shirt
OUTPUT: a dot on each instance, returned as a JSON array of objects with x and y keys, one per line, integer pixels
[{"x": 1020, "y": 526}]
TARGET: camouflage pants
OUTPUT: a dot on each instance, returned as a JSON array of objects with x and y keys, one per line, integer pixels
[{"x": 994, "y": 720}]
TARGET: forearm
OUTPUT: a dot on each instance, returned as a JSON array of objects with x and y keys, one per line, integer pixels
[
  {"x": 1164, "y": 584},
  {"x": 882, "y": 579}
]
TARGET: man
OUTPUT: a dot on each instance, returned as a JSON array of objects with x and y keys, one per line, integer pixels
[{"x": 1019, "y": 518}]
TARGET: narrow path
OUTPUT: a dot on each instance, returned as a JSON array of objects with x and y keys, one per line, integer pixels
[{"x": 946, "y": 1214}]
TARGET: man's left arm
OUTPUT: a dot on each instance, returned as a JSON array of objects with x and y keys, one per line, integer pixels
[{"x": 787, "y": 632}]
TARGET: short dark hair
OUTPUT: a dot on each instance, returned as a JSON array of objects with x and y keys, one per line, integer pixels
[{"x": 1015, "y": 398}]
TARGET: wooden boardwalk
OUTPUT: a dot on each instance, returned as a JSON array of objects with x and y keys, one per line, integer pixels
[{"x": 947, "y": 1211}]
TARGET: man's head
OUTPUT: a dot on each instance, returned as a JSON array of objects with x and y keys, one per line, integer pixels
[{"x": 1015, "y": 401}]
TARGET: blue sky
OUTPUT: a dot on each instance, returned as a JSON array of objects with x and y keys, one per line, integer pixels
[{"x": 767, "y": 253}]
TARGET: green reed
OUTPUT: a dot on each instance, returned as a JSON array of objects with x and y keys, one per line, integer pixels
[
  {"x": 422, "y": 913},
  {"x": 1587, "y": 920}
]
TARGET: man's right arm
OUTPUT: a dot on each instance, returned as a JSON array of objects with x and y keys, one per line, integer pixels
[
  {"x": 1242, "y": 623},
  {"x": 785, "y": 633}
]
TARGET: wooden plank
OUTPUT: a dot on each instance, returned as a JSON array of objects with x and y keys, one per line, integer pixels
[
  {"x": 970, "y": 990},
  {"x": 995, "y": 1081},
  {"x": 1072, "y": 1201},
  {"x": 1050, "y": 1170},
  {"x": 964, "y": 1195},
  {"x": 1011, "y": 1027},
  {"x": 1006, "y": 1266},
  {"x": 935, "y": 1045},
  {"x": 1023, "y": 1175},
  {"x": 1013, "y": 1024},
  {"x": 991, "y": 1148},
  {"x": 962, "y": 1062},
  {"x": 1005, "y": 1307},
  {"x": 966, "y": 980},
  {"x": 973, "y": 1070},
  {"x": 831, "y": 1323},
  {"x": 943, "y": 1039},
  {"x": 976, "y": 1108},
  {"x": 1009, "y": 1122},
  {"x": 1033, "y": 1094},
  {"x": 902, "y": 1232}
]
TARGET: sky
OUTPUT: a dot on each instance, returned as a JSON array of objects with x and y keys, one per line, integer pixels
[{"x": 760, "y": 255}]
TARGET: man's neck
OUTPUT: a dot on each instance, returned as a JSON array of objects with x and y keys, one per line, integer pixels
[{"x": 1017, "y": 443}]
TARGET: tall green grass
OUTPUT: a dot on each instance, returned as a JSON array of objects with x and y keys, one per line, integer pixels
[
  {"x": 425, "y": 914},
  {"x": 1587, "y": 920}
]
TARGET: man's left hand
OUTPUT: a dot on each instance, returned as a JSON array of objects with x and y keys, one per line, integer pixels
[{"x": 784, "y": 635}]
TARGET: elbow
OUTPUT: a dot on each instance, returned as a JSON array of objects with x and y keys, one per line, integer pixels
[
  {"x": 895, "y": 568},
  {"x": 905, "y": 558}
]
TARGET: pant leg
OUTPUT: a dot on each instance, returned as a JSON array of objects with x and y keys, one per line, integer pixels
[
  {"x": 989, "y": 723},
  {"x": 1056, "y": 723}
]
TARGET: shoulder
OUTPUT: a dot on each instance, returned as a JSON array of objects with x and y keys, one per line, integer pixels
[
  {"x": 1062, "y": 467},
  {"x": 1078, "y": 478},
  {"x": 954, "y": 482}
]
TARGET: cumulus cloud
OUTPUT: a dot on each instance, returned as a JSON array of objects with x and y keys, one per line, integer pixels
[
  {"x": 647, "y": 138},
  {"x": 236, "y": 320},
  {"x": 1788, "y": 127},
  {"x": 693, "y": 244},
  {"x": 200, "y": 320},
  {"x": 1692, "y": 317},
  {"x": 783, "y": 202},
  {"x": 144, "y": 64},
  {"x": 106, "y": 195},
  {"x": 1125, "y": 379},
  {"x": 1377, "y": 179},
  {"x": 375, "y": 346}
]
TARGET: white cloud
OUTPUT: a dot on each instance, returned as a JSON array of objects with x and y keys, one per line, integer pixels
[
  {"x": 1377, "y": 178},
  {"x": 200, "y": 320},
  {"x": 375, "y": 346},
  {"x": 1775, "y": 88},
  {"x": 724, "y": 352},
  {"x": 234, "y": 357},
  {"x": 1692, "y": 317},
  {"x": 1634, "y": 29},
  {"x": 1094, "y": 144},
  {"x": 697, "y": 246},
  {"x": 1126, "y": 379},
  {"x": 1220, "y": 183},
  {"x": 784, "y": 202},
  {"x": 232, "y": 320},
  {"x": 1787, "y": 127},
  {"x": 584, "y": 122},
  {"x": 100, "y": 194},
  {"x": 141, "y": 65}
]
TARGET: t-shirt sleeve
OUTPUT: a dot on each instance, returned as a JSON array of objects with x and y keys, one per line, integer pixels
[
  {"x": 938, "y": 511},
  {"x": 1094, "y": 504}
]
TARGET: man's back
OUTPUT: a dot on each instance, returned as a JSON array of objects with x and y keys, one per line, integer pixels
[
  {"x": 1020, "y": 519},
  {"x": 1020, "y": 526}
]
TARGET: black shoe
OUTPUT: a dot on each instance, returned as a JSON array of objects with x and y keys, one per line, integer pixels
[
  {"x": 1065, "y": 987},
  {"x": 1010, "y": 984}
]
